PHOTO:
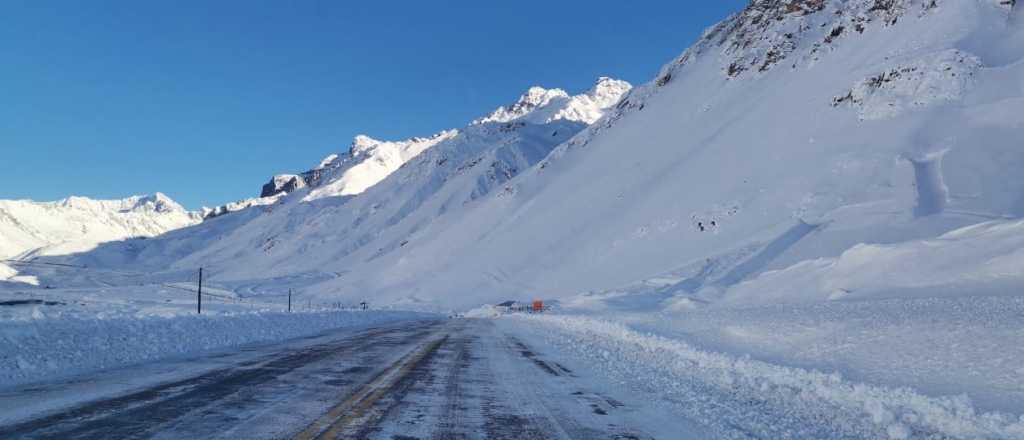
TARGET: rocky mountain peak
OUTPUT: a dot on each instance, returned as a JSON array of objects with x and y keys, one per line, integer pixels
[
  {"x": 157, "y": 202},
  {"x": 362, "y": 144},
  {"x": 539, "y": 105},
  {"x": 282, "y": 183},
  {"x": 534, "y": 98}
]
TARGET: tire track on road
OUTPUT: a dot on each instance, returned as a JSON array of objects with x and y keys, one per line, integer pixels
[{"x": 152, "y": 410}]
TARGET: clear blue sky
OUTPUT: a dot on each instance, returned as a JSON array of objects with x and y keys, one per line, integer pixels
[{"x": 205, "y": 100}]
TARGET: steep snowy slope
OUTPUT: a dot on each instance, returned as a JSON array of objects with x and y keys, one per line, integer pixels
[
  {"x": 276, "y": 194},
  {"x": 316, "y": 233},
  {"x": 368, "y": 162},
  {"x": 791, "y": 131}
]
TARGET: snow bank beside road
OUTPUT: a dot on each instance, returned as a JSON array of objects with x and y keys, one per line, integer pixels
[
  {"x": 36, "y": 350},
  {"x": 742, "y": 397},
  {"x": 982, "y": 259}
]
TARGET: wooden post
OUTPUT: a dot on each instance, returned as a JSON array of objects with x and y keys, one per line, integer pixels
[
  {"x": 289, "y": 300},
  {"x": 199, "y": 294}
]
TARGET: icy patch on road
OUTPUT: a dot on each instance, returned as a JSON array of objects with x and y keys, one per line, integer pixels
[
  {"x": 741, "y": 397},
  {"x": 44, "y": 349}
]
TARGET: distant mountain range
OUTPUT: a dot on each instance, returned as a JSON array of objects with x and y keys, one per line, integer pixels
[{"x": 787, "y": 135}]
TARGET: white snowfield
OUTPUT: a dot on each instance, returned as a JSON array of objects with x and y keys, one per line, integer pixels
[{"x": 816, "y": 208}]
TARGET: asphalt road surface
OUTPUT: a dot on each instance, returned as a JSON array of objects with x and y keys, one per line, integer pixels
[{"x": 444, "y": 379}]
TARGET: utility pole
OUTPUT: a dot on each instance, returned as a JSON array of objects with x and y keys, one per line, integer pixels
[
  {"x": 199, "y": 294},
  {"x": 289, "y": 300}
]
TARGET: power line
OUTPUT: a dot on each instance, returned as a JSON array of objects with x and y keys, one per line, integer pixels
[{"x": 127, "y": 273}]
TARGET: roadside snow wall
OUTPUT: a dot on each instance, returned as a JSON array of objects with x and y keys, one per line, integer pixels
[
  {"x": 44, "y": 349},
  {"x": 730, "y": 394}
]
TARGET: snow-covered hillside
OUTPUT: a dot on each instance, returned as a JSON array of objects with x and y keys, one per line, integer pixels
[
  {"x": 303, "y": 236},
  {"x": 743, "y": 156},
  {"x": 368, "y": 161},
  {"x": 77, "y": 224},
  {"x": 464, "y": 165},
  {"x": 824, "y": 185},
  {"x": 792, "y": 131}
]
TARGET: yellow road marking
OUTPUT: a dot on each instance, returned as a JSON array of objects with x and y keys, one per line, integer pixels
[{"x": 333, "y": 423}]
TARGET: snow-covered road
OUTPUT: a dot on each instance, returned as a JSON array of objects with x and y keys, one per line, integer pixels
[{"x": 463, "y": 378}]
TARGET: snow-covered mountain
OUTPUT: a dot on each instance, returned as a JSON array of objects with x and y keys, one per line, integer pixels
[
  {"x": 309, "y": 222},
  {"x": 810, "y": 224},
  {"x": 77, "y": 224},
  {"x": 277, "y": 194},
  {"x": 791, "y": 132},
  {"x": 368, "y": 161}
]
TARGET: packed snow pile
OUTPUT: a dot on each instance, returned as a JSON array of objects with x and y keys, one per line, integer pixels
[
  {"x": 44, "y": 349},
  {"x": 739, "y": 397}
]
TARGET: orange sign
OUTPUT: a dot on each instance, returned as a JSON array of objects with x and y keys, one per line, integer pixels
[{"x": 538, "y": 306}]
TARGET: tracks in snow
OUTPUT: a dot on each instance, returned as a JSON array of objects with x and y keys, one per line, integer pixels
[{"x": 459, "y": 379}]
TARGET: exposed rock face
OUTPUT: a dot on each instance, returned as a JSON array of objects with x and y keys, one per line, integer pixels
[
  {"x": 768, "y": 32},
  {"x": 932, "y": 79},
  {"x": 284, "y": 183}
]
